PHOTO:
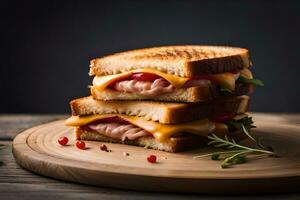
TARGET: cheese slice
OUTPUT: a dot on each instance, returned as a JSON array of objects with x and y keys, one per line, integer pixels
[
  {"x": 246, "y": 73},
  {"x": 101, "y": 82},
  {"x": 161, "y": 132},
  {"x": 225, "y": 79}
]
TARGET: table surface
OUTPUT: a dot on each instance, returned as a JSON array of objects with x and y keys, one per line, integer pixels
[{"x": 17, "y": 183}]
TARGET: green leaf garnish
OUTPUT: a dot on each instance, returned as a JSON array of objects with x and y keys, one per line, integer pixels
[
  {"x": 236, "y": 153},
  {"x": 237, "y": 158},
  {"x": 215, "y": 156},
  {"x": 224, "y": 89},
  {"x": 234, "y": 124},
  {"x": 240, "y": 159},
  {"x": 255, "y": 82}
]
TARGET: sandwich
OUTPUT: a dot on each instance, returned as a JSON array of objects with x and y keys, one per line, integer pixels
[
  {"x": 173, "y": 73},
  {"x": 187, "y": 93},
  {"x": 166, "y": 126}
]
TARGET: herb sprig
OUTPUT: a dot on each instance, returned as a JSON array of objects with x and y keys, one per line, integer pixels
[
  {"x": 236, "y": 153},
  {"x": 255, "y": 82}
]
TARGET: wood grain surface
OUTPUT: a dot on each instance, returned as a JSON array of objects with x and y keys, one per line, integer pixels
[
  {"x": 37, "y": 150},
  {"x": 18, "y": 183}
]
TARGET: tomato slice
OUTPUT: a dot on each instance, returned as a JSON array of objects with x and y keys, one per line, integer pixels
[
  {"x": 145, "y": 77},
  {"x": 223, "y": 117}
]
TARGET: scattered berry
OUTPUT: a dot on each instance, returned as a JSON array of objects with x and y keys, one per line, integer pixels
[
  {"x": 63, "y": 141},
  {"x": 151, "y": 159},
  {"x": 80, "y": 144},
  {"x": 103, "y": 147}
]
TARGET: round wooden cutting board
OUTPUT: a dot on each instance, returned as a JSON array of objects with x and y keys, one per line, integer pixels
[{"x": 37, "y": 150}]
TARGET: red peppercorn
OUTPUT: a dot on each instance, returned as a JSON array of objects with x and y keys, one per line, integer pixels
[
  {"x": 151, "y": 159},
  {"x": 80, "y": 144},
  {"x": 63, "y": 140},
  {"x": 103, "y": 147}
]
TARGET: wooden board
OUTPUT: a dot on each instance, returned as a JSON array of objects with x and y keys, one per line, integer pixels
[{"x": 37, "y": 150}]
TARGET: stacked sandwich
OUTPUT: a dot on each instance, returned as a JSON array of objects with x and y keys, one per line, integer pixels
[{"x": 166, "y": 98}]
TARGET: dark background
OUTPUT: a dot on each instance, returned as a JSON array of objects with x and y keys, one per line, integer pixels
[{"x": 46, "y": 45}]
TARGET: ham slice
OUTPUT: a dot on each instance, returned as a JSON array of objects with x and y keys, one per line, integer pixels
[
  {"x": 146, "y": 88},
  {"x": 152, "y": 89},
  {"x": 119, "y": 131}
]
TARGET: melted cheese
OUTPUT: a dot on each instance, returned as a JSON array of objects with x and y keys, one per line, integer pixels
[
  {"x": 161, "y": 132},
  {"x": 246, "y": 73},
  {"x": 225, "y": 79}
]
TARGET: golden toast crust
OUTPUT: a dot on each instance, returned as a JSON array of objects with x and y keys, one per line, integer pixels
[
  {"x": 183, "y": 61},
  {"x": 163, "y": 112}
]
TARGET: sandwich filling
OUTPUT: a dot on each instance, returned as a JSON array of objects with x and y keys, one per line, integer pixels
[
  {"x": 117, "y": 128},
  {"x": 123, "y": 127},
  {"x": 149, "y": 82}
]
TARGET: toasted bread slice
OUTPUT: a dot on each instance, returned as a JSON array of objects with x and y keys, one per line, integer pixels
[
  {"x": 183, "y": 61},
  {"x": 163, "y": 112},
  {"x": 193, "y": 94},
  {"x": 174, "y": 144}
]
